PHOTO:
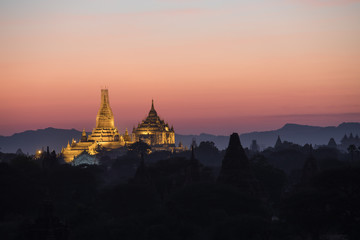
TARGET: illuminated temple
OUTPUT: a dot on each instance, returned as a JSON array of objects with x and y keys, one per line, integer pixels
[
  {"x": 154, "y": 131},
  {"x": 105, "y": 136}
]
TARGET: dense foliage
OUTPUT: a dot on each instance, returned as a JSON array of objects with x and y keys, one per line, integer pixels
[{"x": 157, "y": 197}]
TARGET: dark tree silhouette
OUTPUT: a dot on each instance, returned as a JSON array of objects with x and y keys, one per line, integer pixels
[
  {"x": 351, "y": 149},
  {"x": 176, "y": 196},
  {"x": 139, "y": 148},
  {"x": 193, "y": 170},
  {"x": 142, "y": 175},
  {"x": 208, "y": 154},
  {"x": 310, "y": 168},
  {"x": 47, "y": 225}
]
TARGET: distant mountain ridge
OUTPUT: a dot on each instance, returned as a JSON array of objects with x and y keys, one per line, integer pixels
[
  {"x": 302, "y": 134},
  {"x": 32, "y": 140}
]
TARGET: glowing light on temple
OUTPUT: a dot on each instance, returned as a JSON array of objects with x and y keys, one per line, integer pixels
[{"x": 105, "y": 136}]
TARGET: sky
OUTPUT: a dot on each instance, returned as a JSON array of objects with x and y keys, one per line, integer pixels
[{"x": 213, "y": 66}]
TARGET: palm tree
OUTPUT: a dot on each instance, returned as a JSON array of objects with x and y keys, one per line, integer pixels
[{"x": 351, "y": 150}]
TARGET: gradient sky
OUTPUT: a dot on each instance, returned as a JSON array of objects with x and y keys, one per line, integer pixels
[{"x": 214, "y": 66}]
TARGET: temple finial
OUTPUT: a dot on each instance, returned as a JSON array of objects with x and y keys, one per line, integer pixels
[{"x": 152, "y": 110}]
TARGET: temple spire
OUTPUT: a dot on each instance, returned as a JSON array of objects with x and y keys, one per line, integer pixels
[
  {"x": 105, "y": 117},
  {"x": 278, "y": 142},
  {"x": 152, "y": 112},
  {"x": 193, "y": 170},
  {"x": 83, "y": 136},
  {"x": 192, "y": 153}
]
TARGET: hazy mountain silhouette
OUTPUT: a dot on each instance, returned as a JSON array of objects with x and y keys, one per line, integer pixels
[
  {"x": 296, "y": 133},
  {"x": 30, "y": 141},
  {"x": 301, "y": 134}
]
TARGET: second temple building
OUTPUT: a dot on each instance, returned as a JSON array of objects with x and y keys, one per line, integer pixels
[{"x": 106, "y": 137}]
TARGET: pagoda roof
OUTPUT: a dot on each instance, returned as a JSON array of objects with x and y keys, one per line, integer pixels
[{"x": 153, "y": 121}]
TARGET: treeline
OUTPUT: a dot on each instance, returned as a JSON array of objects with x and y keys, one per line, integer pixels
[{"x": 285, "y": 192}]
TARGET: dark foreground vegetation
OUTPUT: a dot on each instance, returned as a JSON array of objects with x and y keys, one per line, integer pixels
[{"x": 286, "y": 192}]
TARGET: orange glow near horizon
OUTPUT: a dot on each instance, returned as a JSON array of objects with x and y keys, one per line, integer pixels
[{"x": 215, "y": 69}]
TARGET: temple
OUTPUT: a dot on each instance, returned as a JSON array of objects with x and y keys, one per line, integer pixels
[
  {"x": 105, "y": 137},
  {"x": 154, "y": 131}
]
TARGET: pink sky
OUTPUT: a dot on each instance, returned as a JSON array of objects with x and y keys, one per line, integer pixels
[{"x": 211, "y": 66}]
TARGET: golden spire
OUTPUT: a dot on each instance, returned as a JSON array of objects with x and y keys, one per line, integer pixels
[{"x": 105, "y": 117}]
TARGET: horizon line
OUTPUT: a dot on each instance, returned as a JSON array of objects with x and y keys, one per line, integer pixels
[{"x": 344, "y": 122}]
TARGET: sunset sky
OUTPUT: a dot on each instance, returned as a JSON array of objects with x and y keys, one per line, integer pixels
[{"x": 214, "y": 66}]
